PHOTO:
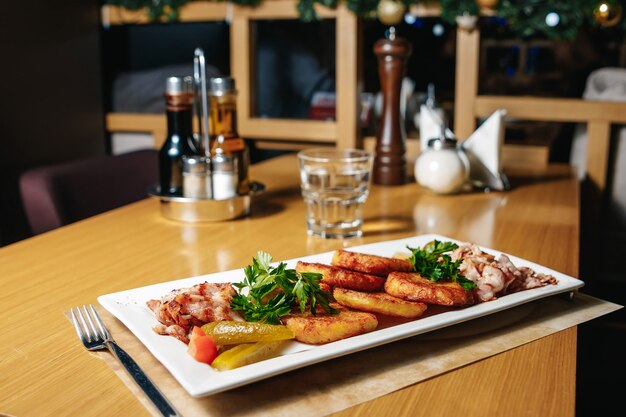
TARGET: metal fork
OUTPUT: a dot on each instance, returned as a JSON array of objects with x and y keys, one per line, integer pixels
[{"x": 96, "y": 337}]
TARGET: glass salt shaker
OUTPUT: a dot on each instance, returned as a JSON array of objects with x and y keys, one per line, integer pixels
[
  {"x": 442, "y": 168},
  {"x": 196, "y": 177}
]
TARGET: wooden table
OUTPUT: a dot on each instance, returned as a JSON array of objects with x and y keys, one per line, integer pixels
[{"x": 44, "y": 370}]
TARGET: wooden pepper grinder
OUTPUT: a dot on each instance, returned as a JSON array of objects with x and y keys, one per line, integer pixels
[{"x": 389, "y": 163}]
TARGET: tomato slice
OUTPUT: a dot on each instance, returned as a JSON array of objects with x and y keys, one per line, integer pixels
[
  {"x": 196, "y": 332},
  {"x": 202, "y": 349}
]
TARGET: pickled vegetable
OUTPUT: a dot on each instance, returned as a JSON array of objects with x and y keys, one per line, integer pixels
[
  {"x": 236, "y": 332},
  {"x": 246, "y": 354}
]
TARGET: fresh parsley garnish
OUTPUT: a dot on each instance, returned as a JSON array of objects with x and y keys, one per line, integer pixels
[
  {"x": 267, "y": 292},
  {"x": 433, "y": 263}
]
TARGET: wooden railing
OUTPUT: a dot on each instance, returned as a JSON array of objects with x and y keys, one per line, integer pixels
[{"x": 597, "y": 115}]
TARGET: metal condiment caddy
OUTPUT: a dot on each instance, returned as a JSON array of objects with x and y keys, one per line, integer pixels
[{"x": 214, "y": 186}]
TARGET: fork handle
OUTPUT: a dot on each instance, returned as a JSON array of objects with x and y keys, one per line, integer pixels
[{"x": 148, "y": 387}]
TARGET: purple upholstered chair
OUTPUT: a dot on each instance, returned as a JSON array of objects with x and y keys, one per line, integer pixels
[{"x": 57, "y": 195}]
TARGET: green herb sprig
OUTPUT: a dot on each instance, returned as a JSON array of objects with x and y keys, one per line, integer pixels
[
  {"x": 267, "y": 292},
  {"x": 433, "y": 263}
]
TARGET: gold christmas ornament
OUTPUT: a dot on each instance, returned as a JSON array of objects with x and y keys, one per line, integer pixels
[
  {"x": 607, "y": 14},
  {"x": 487, "y": 4},
  {"x": 390, "y": 12}
]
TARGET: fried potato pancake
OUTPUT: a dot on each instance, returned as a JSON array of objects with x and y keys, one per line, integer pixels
[
  {"x": 370, "y": 264},
  {"x": 413, "y": 287},
  {"x": 325, "y": 287},
  {"x": 379, "y": 302},
  {"x": 326, "y": 328},
  {"x": 337, "y": 277}
]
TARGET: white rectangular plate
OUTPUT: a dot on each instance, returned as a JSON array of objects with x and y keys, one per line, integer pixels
[{"x": 200, "y": 379}]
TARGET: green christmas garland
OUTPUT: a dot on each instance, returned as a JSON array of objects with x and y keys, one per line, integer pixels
[{"x": 558, "y": 19}]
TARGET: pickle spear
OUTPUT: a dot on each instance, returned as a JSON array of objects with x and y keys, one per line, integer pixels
[
  {"x": 236, "y": 332},
  {"x": 246, "y": 354}
]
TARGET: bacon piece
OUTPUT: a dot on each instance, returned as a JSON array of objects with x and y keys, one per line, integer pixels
[
  {"x": 531, "y": 279},
  {"x": 496, "y": 277},
  {"x": 182, "y": 309},
  {"x": 174, "y": 330}
]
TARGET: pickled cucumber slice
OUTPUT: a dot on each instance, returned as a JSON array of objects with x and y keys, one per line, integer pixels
[
  {"x": 246, "y": 354},
  {"x": 236, "y": 332}
]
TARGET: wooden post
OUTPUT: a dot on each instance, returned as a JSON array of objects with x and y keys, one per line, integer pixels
[
  {"x": 466, "y": 81},
  {"x": 348, "y": 90},
  {"x": 241, "y": 66},
  {"x": 597, "y": 155},
  {"x": 389, "y": 162}
]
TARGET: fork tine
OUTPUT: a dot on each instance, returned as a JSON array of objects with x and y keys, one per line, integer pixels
[
  {"x": 97, "y": 335},
  {"x": 79, "y": 329},
  {"x": 90, "y": 337},
  {"x": 101, "y": 325}
]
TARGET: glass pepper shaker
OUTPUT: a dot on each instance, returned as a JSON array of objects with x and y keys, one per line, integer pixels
[{"x": 225, "y": 176}]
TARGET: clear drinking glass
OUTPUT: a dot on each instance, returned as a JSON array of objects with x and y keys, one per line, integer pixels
[{"x": 335, "y": 184}]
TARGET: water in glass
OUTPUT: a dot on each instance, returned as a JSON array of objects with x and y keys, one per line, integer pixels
[{"x": 334, "y": 194}]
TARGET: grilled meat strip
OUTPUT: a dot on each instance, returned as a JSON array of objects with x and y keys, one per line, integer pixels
[{"x": 184, "y": 308}]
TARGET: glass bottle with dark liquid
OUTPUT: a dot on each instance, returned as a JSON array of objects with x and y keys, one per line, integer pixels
[
  {"x": 223, "y": 127},
  {"x": 179, "y": 141}
]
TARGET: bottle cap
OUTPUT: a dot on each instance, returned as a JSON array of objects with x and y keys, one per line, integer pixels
[
  {"x": 178, "y": 85},
  {"x": 194, "y": 165},
  {"x": 222, "y": 85},
  {"x": 443, "y": 141},
  {"x": 223, "y": 163}
]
